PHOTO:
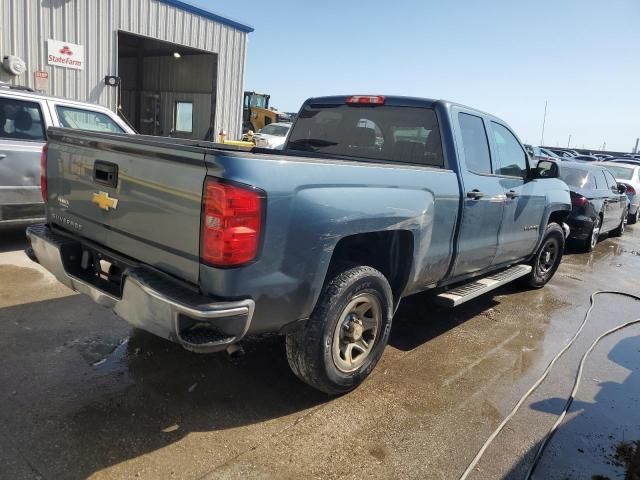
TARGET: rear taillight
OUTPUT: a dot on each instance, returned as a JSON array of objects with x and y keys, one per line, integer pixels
[
  {"x": 365, "y": 99},
  {"x": 231, "y": 223},
  {"x": 631, "y": 190},
  {"x": 578, "y": 200},
  {"x": 43, "y": 173}
]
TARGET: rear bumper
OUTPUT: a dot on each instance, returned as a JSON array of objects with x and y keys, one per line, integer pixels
[
  {"x": 148, "y": 300},
  {"x": 580, "y": 226}
]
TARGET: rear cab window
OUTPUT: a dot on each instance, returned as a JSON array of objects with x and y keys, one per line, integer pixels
[
  {"x": 21, "y": 120},
  {"x": 408, "y": 135},
  {"x": 84, "y": 119}
]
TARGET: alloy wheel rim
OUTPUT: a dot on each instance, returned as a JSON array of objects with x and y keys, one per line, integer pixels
[{"x": 356, "y": 332}]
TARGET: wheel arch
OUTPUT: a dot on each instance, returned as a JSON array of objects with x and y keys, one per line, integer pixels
[{"x": 389, "y": 251}]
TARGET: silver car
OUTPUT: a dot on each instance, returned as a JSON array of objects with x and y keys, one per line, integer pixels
[
  {"x": 24, "y": 119},
  {"x": 628, "y": 174},
  {"x": 272, "y": 135}
]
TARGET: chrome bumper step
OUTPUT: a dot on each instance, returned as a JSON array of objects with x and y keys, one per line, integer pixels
[{"x": 475, "y": 288}]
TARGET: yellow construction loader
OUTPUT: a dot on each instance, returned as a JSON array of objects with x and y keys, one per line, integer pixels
[{"x": 256, "y": 112}]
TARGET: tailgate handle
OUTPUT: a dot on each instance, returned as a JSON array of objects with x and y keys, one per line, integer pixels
[{"x": 105, "y": 173}]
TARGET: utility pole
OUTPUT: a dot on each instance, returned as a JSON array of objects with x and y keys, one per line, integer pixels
[
  {"x": 604, "y": 146},
  {"x": 635, "y": 148},
  {"x": 544, "y": 120},
  {"x": 569, "y": 142}
]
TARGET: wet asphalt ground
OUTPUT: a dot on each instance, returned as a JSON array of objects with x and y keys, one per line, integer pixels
[{"x": 84, "y": 395}]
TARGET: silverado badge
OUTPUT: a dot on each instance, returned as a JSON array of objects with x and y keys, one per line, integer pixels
[{"x": 104, "y": 201}]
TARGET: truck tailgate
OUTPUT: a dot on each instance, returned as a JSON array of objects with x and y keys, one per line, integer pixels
[{"x": 139, "y": 196}]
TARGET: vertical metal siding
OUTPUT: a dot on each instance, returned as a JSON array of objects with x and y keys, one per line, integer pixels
[{"x": 27, "y": 24}]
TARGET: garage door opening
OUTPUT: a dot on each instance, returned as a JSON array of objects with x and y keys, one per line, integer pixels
[{"x": 167, "y": 89}]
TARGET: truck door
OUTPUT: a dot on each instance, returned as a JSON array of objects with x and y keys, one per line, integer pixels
[
  {"x": 483, "y": 196},
  {"x": 525, "y": 199}
]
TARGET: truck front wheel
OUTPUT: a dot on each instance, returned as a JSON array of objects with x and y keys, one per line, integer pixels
[
  {"x": 341, "y": 343},
  {"x": 548, "y": 257}
]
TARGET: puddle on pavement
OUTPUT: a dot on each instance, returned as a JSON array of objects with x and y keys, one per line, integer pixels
[{"x": 95, "y": 350}]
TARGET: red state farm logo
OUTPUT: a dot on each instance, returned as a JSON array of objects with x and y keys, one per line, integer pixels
[{"x": 65, "y": 50}]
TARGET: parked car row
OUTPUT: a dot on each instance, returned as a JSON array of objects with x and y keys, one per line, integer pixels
[
  {"x": 544, "y": 153},
  {"x": 599, "y": 202}
]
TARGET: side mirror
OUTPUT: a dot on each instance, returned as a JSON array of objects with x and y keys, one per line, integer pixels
[
  {"x": 622, "y": 188},
  {"x": 546, "y": 169}
]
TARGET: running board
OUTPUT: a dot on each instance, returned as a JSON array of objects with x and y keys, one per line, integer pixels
[{"x": 475, "y": 288}]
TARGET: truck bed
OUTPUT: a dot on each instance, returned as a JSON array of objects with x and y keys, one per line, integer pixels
[{"x": 311, "y": 202}]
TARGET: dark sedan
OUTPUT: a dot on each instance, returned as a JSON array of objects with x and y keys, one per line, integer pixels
[{"x": 599, "y": 203}]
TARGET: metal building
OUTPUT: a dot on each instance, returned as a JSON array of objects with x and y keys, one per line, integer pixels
[{"x": 168, "y": 67}]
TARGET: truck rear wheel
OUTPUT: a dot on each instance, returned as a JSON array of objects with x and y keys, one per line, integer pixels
[
  {"x": 548, "y": 257},
  {"x": 341, "y": 343}
]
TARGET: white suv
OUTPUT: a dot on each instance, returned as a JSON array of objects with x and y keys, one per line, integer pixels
[{"x": 24, "y": 119}]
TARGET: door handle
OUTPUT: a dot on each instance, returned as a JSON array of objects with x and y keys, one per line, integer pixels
[
  {"x": 2, "y": 155},
  {"x": 475, "y": 194},
  {"x": 512, "y": 194},
  {"x": 105, "y": 173}
]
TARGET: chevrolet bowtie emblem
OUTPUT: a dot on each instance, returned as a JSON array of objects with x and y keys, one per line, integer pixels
[{"x": 104, "y": 202}]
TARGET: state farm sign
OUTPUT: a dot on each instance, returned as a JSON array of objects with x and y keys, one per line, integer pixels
[{"x": 65, "y": 54}]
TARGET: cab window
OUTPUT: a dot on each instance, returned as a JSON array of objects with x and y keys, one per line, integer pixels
[
  {"x": 475, "y": 144},
  {"x": 20, "y": 120},
  {"x": 512, "y": 161},
  {"x": 82, "y": 119}
]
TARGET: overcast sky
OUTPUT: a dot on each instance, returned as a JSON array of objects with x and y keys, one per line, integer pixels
[{"x": 503, "y": 56}]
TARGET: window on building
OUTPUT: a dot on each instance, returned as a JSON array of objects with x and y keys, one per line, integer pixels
[
  {"x": 21, "y": 120},
  {"x": 184, "y": 117}
]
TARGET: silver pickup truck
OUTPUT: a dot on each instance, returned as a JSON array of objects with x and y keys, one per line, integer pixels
[
  {"x": 373, "y": 198},
  {"x": 24, "y": 118}
]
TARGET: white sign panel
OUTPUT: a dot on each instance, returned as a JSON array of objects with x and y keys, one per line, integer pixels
[
  {"x": 41, "y": 80},
  {"x": 65, "y": 54}
]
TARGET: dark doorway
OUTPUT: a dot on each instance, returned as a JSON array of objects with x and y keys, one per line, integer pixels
[{"x": 166, "y": 89}]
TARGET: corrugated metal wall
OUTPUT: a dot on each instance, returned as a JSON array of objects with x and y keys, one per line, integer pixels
[{"x": 27, "y": 24}]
